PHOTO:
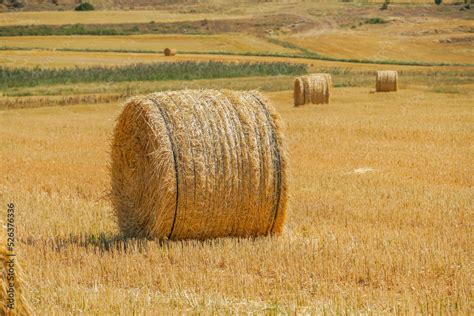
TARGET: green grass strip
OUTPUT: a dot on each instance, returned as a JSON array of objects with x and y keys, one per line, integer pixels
[{"x": 188, "y": 70}]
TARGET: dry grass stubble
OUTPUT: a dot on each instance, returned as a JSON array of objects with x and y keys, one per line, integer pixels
[{"x": 398, "y": 238}]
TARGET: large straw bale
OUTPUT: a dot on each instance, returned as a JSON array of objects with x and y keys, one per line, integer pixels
[
  {"x": 386, "y": 81},
  {"x": 199, "y": 164}
]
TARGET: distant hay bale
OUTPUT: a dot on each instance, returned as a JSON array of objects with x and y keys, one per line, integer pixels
[
  {"x": 386, "y": 81},
  {"x": 199, "y": 164},
  {"x": 321, "y": 88},
  {"x": 328, "y": 78},
  {"x": 298, "y": 91},
  {"x": 170, "y": 51},
  {"x": 314, "y": 88},
  {"x": 9, "y": 269}
]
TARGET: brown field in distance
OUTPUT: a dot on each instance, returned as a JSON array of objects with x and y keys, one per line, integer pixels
[{"x": 98, "y": 17}]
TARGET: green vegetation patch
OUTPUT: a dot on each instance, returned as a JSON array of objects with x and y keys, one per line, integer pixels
[
  {"x": 375, "y": 21},
  {"x": 29, "y": 77},
  {"x": 85, "y": 6},
  {"x": 103, "y": 29}
]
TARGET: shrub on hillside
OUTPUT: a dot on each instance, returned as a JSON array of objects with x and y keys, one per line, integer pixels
[
  {"x": 14, "y": 4},
  {"x": 375, "y": 21},
  {"x": 86, "y": 6}
]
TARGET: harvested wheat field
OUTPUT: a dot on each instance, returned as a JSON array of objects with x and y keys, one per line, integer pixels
[
  {"x": 257, "y": 171},
  {"x": 379, "y": 216}
]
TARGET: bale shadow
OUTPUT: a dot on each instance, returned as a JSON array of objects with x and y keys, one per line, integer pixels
[
  {"x": 107, "y": 242},
  {"x": 102, "y": 242}
]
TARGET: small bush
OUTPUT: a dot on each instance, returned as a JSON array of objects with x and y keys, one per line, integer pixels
[
  {"x": 16, "y": 4},
  {"x": 375, "y": 21},
  {"x": 86, "y": 6},
  {"x": 438, "y": 2}
]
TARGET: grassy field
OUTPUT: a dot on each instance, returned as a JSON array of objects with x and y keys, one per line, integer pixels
[
  {"x": 396, "y": 238},
  {"x": 380, "y": 216},
  {"x": 189, "y": 70}
]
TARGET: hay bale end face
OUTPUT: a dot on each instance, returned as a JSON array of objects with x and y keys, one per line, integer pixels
[
  {"x": 298, "y": 91},
  {"x": 170, "y": 51},
  {"x": 386, "y": 81},
  {"x": 199, "y": 164}
]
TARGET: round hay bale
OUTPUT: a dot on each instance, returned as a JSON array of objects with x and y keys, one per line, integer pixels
[
  {"x": 298, "y": 91},
  {"x": 326, "y": 77},
  {"x": 170, "y": 51},
  {"x": 329, "y": 83},
  {"x": 199, "y": 164},
  {"x": 319, "y": 90},
  {"x": 386, "y": 81},
  {"x": 10, "y": 267},
  {"x": 308, "y": 88}
]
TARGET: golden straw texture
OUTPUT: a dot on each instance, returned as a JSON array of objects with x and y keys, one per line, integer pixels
[
  {"x": 386, "y": 81},
  {"x": 20, "y": 304},
  {"x": 199, "y": 164},
  {"x": 298, "y": 91},
  {"x": 308, "y": 89},
  {"x": 321, "y": 88},
  {"x": 314, "y": 88},
  {"x": 169, "y": 51}
]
